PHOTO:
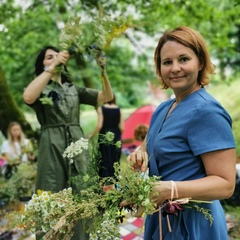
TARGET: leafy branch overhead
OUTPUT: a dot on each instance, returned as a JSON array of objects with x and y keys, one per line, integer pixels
[{"x": 75, "y": 38}]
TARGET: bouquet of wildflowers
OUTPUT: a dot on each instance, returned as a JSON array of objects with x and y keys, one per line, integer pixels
[
  {"x": 76, "y": 38},
  {"x": 55, "y": 214},
  {"x": 71, "y": 34},
  {"x": 20, "y": 184}
]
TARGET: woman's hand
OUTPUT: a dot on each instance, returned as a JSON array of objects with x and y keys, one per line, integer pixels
[
  {"x": 101, "y": 60},
  {"x": 161, "y": 192},
  {"x": 138, "y": 160},
  {"x": 61, "y": 58}
]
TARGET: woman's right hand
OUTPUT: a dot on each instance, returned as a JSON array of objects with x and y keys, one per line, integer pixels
[
  {"x": 138, "y": 160},
  {"x": 101, "y": 60},
  {"x": 61, "y": 58}
]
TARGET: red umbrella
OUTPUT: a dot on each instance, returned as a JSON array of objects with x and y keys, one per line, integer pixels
[{"x": 141, "y": 116}]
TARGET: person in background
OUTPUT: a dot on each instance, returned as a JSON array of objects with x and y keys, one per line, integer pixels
[
  {"x": 110, "y": 119},
  {"x": 16, "y": 149},
  {"x": 56, "y": 101},
  {"x": 189, "y": 143},
  {"x": 140, "y": 132}
]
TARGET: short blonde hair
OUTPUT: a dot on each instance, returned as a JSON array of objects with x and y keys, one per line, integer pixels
[{"x": 191, "y": 39}]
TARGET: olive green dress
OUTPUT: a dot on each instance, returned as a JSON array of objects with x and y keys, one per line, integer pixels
[{"x": 60, "y": 125}]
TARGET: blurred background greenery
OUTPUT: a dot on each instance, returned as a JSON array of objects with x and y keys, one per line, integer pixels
[{"x": 27, "y": 26}]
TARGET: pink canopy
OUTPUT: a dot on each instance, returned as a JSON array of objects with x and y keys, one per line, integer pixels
[{"x": 142, "y": 115}]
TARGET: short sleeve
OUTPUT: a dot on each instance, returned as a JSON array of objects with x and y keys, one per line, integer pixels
[
  {"x": 210, "y": 129},
  {"x": 87, "y": 95}
]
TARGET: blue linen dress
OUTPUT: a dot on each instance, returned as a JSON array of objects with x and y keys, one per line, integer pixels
[{"x": 197, "y": 125}]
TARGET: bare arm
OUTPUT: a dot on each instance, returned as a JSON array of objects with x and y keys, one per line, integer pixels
[
  {"x": 219, "y": 183},
  {"x": 34, "y": 89},
  {"x": 106, "y": 94},
  {"x": 99, "y": 122}
]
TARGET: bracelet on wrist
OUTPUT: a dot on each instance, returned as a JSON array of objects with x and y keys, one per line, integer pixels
[{"x": 48, "y": 69}]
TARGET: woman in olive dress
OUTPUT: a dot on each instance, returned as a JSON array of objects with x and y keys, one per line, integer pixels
[{"x": 60, "y": 118}]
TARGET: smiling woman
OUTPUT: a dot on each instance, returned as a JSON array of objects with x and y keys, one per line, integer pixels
[
  {"x": 179, "y": 68},
  {"x": 189, "y": 143}
]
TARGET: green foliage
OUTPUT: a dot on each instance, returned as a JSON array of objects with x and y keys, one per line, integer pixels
[
  {"x": 25, "y": 29},
  {"x": 21, "y": 184},
  {"x": 92, "y": 198},
  {"x": 205, "y": 212},
  {"x": 22, "y": 35}
]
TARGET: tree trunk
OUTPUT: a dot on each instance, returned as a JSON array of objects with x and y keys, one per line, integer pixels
[{"x": 9, "y": 110}]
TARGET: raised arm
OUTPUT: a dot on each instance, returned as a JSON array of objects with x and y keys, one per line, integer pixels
[
  {"x": 106, "y": 94},
  {"x": 34, "y": 89}
]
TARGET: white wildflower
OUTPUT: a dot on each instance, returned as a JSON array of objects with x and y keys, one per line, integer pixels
[
  {"x": 93, "y": 236},
  {"x": 110, "y": 224},
  {"x": 53, "y": 204},
  {"x": 37, "y": 208},
  {"x": 45, "y": 194},
  {"x": 76, "y": 148},
  {"x": 52, "y": 224},
  {"x": 104, "y": 224},
  {"x": 30, "y": 207},
  {"x": 60, "y": 204},
  {"x": 34, "y": 196},
  {"x": 44, "y": 229}
]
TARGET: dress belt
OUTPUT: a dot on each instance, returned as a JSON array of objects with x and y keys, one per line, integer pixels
[{"x": 66, "y": 125}]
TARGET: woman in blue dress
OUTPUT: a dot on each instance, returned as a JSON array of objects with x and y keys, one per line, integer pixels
[{"x": 189, "y": 143}]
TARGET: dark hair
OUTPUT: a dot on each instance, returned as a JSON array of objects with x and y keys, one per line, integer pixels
[
  {"x": 191, "y": 39},
  {"x": 113, "y": 101},
  {"x": 39, "y": 68}
]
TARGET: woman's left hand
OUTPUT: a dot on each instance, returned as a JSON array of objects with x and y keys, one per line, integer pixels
[
  {"x": 161, "y": 192},
  {"x": 101, "y": 60}
]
